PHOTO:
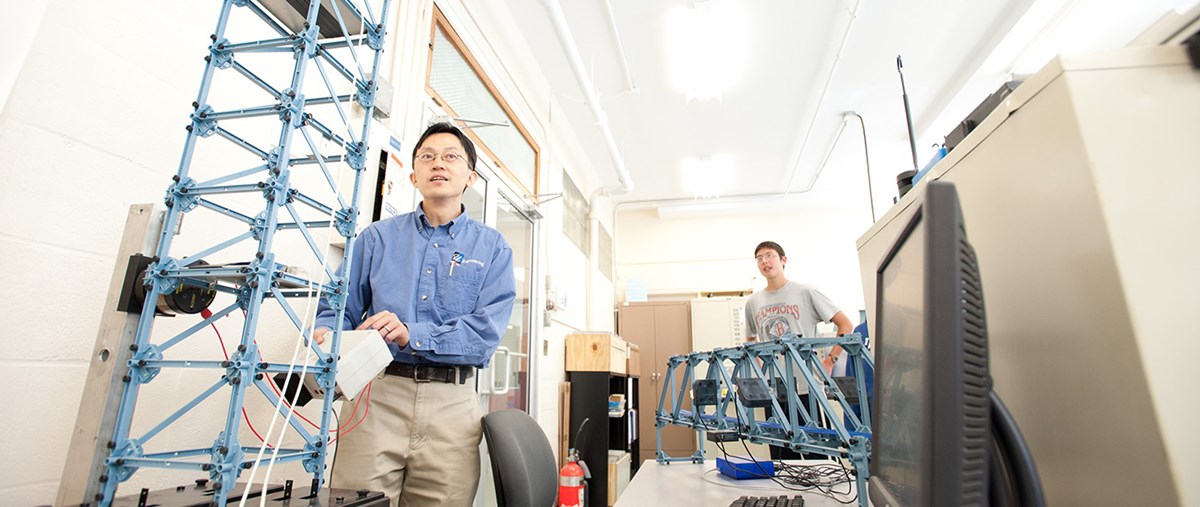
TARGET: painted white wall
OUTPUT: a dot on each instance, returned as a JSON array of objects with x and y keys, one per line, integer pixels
[
  {"x": 24, "y": 19},
  {"x": 93, "y": 123},
  {"x": 710, "y": 252}
]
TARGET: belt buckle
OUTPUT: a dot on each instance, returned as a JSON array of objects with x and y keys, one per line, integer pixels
[{"x": 417, "y": 375}]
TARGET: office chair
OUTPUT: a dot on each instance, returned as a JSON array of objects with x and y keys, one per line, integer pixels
[{"x": 523, "y": 464}]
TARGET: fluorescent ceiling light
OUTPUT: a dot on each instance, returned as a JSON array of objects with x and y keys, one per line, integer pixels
[
  {"x": 705, "y": 177},
  {"x": 705, "y": 45}
]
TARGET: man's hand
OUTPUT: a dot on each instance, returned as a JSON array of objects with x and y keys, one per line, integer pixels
[
  {"x": 828, "y": 363},
  {"x": 389, "y": 326},
  {"x": 319, "y": 334}
]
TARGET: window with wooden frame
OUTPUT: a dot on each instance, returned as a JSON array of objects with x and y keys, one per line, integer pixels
[
  {"x": 459, "y": 85},
  {"x": 575, "y": 215}
]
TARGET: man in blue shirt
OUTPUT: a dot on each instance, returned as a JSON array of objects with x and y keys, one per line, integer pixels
[{"x": 439, "y": 287}]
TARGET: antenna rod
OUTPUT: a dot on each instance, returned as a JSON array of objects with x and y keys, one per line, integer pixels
[{"x": 912, "y": 142}]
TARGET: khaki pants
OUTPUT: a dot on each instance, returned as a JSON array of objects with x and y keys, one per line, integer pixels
[{"x": 419, "y": 443}]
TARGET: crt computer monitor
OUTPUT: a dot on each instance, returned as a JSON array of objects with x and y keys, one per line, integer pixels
[{"x": 931, "y": 436}]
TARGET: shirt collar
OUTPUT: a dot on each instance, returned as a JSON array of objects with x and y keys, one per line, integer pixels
[{"x": 456, "y": 226}]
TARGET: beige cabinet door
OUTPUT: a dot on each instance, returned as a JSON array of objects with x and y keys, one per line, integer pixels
[{"x": 660, "y": 330}]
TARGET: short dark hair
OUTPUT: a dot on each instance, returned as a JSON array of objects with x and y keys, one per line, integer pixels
[
  {"x": 446, "y": 128},
  {"x": 769, "y": 244}
]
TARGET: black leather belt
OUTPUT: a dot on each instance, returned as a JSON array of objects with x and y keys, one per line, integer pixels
[{"x": 428, "y": 373}]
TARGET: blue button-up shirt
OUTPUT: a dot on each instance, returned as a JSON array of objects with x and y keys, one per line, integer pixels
[{"x": 452, "y": 285}]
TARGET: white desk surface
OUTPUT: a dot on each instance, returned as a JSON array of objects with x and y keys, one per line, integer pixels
[{"x": 700, "y": 484}]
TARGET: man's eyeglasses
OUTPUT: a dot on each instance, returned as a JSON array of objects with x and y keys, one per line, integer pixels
[
  {"x": 766, "y": 256},
  {"x": 449, "y": 157}
]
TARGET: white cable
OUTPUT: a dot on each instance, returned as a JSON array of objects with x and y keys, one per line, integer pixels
[
  {"x": 310, "y": 310},
  {"x": 309, "y": 322}
]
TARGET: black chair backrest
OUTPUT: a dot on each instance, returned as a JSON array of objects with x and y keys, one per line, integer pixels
[{"x": 523, "y": 463}]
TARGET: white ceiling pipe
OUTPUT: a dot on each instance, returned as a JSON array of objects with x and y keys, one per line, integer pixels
[
  {"x": 612, "y": 27},
  {"x": 812, "y": 120},
  {"x": 571, "y": 51}
]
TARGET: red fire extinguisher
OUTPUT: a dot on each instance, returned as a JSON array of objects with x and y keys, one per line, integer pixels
[{"x": 571, "y": 481}]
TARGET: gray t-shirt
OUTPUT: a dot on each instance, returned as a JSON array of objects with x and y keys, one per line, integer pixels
[{"x": 794, "y": 308}]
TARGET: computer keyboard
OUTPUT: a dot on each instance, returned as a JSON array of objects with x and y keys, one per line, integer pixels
[{"x": 768, "y": 501}]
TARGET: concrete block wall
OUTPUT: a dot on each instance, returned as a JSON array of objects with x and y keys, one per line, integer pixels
[{"x": 92, "y": 124}]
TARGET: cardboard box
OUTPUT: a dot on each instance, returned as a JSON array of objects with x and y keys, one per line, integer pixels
[
  {"x": 597, "y": 352},
  {"x": 618, "y": 474}
]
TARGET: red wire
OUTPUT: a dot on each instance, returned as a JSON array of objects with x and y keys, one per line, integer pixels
[
  {"x": 367, "y": 395},
  {"x": 206, "y": 314}
]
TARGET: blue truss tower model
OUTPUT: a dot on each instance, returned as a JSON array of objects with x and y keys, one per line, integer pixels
[
  {"x": 309, "y": 129},
  {"x": 780, "y": 364}
]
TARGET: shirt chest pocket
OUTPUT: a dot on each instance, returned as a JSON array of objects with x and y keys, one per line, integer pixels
[{"x": 458, "y": 290}]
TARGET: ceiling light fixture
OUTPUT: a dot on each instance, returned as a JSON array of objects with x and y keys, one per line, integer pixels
[
  {"x": 705, "y": 177},
  {"x": 705, "y": 45}
]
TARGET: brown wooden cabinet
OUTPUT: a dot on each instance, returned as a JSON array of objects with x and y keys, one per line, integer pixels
[{"x": 660, "y": 330}]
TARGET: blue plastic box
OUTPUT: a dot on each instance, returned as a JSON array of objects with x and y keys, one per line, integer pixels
[{"x": 746, "y": 468}]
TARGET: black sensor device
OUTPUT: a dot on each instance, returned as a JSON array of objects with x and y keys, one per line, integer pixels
[
  {"x": 753, "y": 392},
  {"x": 849, "y": 388},
  {"x": 704, "y": 392},
  {"x": 780, "y": 387}
]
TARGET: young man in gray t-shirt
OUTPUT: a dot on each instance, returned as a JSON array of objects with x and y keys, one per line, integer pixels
[{"x": 788, "y": 307}]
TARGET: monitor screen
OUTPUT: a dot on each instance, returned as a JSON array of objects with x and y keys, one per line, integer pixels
[
  {"x": 900, "y": 374},
  {"x": 931, "y": 436}
]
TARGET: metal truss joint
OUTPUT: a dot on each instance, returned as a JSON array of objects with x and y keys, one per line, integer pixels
[
  {"x": 244, "y": 295},
  {"x": 242, "y": 365},
  {"x": 118, "y": 466},
  {"x": 316, "y": 457},
  {"x": 337, "y": 296},
  {"x": 309, "y": 43},
  {"x": 139, "y": 368},
  {"x": 180, "y": 193},
  {"x": 356, "y": 155},
  {"x": 276, "y": 191},
  {"x": 221, "y": 55},
  {"x": 273, "y": 162},
  {"x": 258, "y": 229},
  {"x": 291, "y": 108},
  {"x": 202, "y": 125},
  {"x": 366, "y": 93},
  {"x": 346, "y": 218},
  {"x": 258, "y": 272},
  {"x": 158, "y": 275},
  {"x": 375, "y": 36},
  {"x": 225, "y": 466}
]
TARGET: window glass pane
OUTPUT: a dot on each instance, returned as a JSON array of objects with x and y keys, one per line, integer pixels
[
  {"x": 473, "y": 199},
  {"x": 514, "y": 373},
  {"x": 575, "y": 213},
  {"x": 454, "y": 81}
]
